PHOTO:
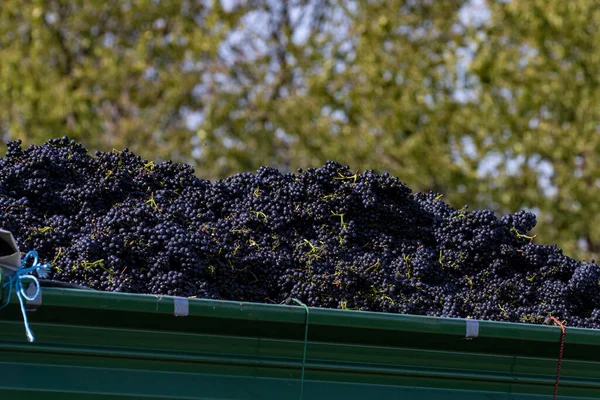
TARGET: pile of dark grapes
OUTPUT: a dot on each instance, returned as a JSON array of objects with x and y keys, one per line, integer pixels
[{"x": 327, "y": 236}]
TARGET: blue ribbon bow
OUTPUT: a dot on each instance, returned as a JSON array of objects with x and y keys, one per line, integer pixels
[{"x": 22, "y": 275}]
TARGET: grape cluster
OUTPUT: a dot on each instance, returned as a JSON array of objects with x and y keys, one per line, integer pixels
[{"x": 328, "y": 236}]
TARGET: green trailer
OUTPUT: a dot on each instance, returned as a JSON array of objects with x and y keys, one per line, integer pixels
[{"x": 98, "y": 345}]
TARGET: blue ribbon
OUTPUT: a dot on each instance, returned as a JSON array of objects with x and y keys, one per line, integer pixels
[{"x": 22, "y": 275}]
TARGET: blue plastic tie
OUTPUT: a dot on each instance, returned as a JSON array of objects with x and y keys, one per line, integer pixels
[
  {"x": 305, "y": 343},
  {"x": 22, "y": 275}
]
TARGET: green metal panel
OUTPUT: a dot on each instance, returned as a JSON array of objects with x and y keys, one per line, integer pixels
[{"x": 97, "y": 345}]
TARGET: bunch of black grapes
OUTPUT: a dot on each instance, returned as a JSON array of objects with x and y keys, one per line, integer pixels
[{"x": 328, "y": 236}]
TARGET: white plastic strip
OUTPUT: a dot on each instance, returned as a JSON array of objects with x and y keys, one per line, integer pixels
[
  {"x": 472, "y": 328},
  {"x": 35, "y": 303},
  {"x": 182, "y": 306}
]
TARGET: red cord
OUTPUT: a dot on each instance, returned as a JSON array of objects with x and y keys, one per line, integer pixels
[{"x": 560, "y": 354}]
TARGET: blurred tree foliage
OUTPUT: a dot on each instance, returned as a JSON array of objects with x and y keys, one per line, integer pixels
[
  {"x": 369, "y": 84},
  {"x": 108, "y": 73},
  {"x": 537, "y": 114},
  {"x": 493, "y": 103}
]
